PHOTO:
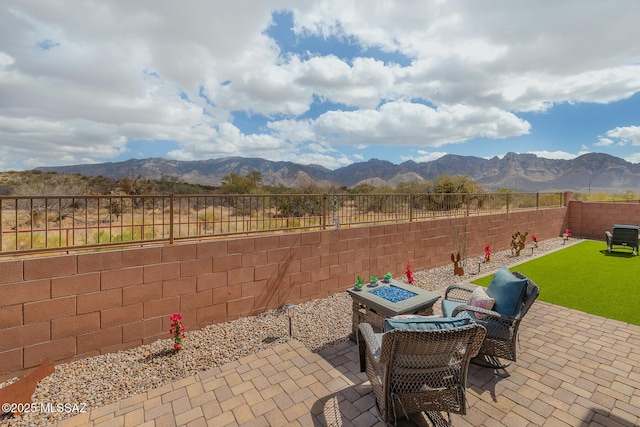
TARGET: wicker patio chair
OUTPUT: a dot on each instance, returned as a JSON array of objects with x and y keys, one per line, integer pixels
[
  {"x": 413, "y": 371},
  {"x": 623, "y": 235},
  {"x": 502, "y": 330}
]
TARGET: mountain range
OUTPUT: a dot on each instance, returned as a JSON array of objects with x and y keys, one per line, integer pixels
[{"x": 593, "y": 172}]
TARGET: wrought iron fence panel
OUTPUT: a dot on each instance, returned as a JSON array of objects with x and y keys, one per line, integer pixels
[{"x": 63, "y": 223}]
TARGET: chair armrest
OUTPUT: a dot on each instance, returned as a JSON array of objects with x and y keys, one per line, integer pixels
[
  {"x": 367, "y": 340},
  {"x": 458, "y": 292},
  {"x": 488, "y": 314},
  {"x": 475, "y": 346},
  {"x": 497, "y": 325}
]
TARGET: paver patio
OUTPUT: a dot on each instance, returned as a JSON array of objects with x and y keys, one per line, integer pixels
[{"x": 573, "y": 369}]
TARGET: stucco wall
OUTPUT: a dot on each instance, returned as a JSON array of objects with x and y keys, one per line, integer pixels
[{"x": 84, "y": 304}]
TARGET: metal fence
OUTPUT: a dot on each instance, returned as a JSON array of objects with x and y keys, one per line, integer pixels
[{"x": 38, "y": 224}]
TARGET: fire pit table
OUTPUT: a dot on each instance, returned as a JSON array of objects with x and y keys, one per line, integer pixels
[{"x": 373, "y": 304}]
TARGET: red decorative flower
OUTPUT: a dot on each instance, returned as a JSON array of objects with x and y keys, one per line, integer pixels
[{"x": 177, "y": 330}]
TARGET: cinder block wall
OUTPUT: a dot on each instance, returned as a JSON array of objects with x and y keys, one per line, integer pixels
[
  {"x": 84, "y": 304},
  {"x": 591, "y": 219}
]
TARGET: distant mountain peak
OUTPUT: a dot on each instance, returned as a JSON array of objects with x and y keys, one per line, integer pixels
[{"x": 520, "y": 172}]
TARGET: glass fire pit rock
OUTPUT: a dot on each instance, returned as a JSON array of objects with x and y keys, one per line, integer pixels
[{"x": 393, "y": 293}]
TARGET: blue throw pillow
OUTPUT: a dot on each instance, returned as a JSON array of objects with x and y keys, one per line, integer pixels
[
  {"x": 508, "y": 292},
  {"x": 419, "y": 323}
]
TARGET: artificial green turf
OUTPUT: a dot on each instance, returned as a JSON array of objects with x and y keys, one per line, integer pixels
[{"x": 586, "y": 277}]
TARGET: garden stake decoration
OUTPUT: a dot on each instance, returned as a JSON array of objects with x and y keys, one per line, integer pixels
[
  {"x": 177, "y": 331},
  {"x": 16, "y": 397},
  {"x": 457, "y": 270},
  {"x": 535, "y": 240},
  {"x": 459, "y": 235},
  {"x": 518, "y": 242},
  {"x": 487, "y": 253},
  {"x": 409, "y": 274}
]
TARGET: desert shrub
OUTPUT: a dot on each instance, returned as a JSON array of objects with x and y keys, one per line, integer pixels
[
  {"x": 246, "y": 205},
  {"x": 207, "y": 220},
  {"x": 549, "y": 199},
  {"x": 117, "y": 205},
  {"x": 208, "y": 217},
  {"x": 298, "y": 205},
  {"x": 127, "y": 235},
  {"x": 101, "y": 236},
  {"x": 235, "y": 183},
  {"x": 377, "y": 203}
]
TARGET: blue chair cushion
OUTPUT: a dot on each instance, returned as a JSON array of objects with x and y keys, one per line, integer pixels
[
  {"x": 379, "y": 338},
  {"x": 424, "y": 323},
  {"x": 448, "y": 306},
  {"x": 508, "y": 291}
]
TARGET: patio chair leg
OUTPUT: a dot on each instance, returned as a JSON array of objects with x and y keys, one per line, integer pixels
[{"x": 489, "y": 362}]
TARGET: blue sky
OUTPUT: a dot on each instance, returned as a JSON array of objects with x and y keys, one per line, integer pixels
[{"x": 322, "y": 82}]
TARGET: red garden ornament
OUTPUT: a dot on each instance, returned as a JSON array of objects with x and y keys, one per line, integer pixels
[
  {"x": 409, "y": 274},
  {"x": 487, "y": 253}
]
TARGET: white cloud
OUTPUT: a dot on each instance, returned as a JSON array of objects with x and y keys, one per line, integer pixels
[
  {"x": 268, "y": 89},
  {"x": 362, "y": 84},
  {"x": 604, "y": 142},
  {"x": 624, "y": 135},
  {"x": 5, "y": 60},
  {"x": 78, "y": 90},
  {"x": 403, "y": 123},
  {"x": 328, "y": 161},
  {"x": 633, "y": 158},
  {"x": 472, "y": 54},
  {"x": 71, "y": 139},
  {"x": 228, "y": 140},
  {"x": 560, "y": 155},
  {"x": 425, "y": 156}
]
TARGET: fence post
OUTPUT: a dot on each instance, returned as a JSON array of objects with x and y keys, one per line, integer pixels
[
  {"x": 411, "y": 196},
  {"x": 508, "y": 194},
  {"x": 537, "y": 201},
  {"x": 171, "y": 197},
  {"x": 324, "y": 211}
]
